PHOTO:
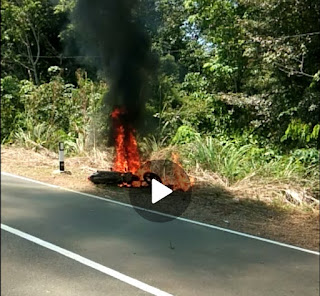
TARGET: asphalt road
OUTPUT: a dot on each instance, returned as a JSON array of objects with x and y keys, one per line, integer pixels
[{"x": 177, "y": 257}]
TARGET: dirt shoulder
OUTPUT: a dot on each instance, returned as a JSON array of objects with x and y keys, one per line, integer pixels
[{"x": 214, "y": 204}]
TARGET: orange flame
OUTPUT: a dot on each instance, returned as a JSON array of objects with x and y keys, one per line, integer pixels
[
  {"x": 132, "y": 152},
  {"x": 127, "y": 154},
  {"x": 127, "y": 157}
]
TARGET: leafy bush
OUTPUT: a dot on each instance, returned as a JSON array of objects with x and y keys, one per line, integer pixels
[
  {"x": 56, "y": 111},
  {"x": 185, "y": 134},
  {"x": 37, "y": 136},
  {"x": 301, "y": 132},
  {"x": 11, "y": 105}
]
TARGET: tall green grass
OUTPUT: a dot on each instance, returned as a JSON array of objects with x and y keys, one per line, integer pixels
[{"x": 235, "y": 161}]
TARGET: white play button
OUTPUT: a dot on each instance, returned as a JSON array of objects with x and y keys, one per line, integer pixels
[{"x": 159, "y": 191}]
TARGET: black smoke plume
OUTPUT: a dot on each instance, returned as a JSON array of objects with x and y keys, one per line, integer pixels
[{"x": 112, "y": 28}]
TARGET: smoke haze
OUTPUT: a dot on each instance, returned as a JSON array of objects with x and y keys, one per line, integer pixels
[{"x": 113, "y": 30}]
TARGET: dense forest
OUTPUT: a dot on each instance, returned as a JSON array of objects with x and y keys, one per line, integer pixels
[{"x": 235, "y": 86}]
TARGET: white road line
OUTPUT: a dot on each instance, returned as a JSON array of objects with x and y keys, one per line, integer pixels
[
  {"x": 171, "y": 216},
  {"x": 106, "y": 270}
]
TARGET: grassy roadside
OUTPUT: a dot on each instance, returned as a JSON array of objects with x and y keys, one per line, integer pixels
[
  {"x": 244, "y": 206},
  {"x": 250, "y": 171}
]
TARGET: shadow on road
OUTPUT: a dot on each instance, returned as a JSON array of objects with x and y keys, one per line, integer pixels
[{"x": 218, "y": 206}]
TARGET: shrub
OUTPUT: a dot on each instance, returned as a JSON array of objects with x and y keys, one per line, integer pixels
[
  {"x": 51, "y": 112},
  {"x": 301, "y": 133},
  {"x": 11, "y": 106},
  {"x": 185, "y": 134}
]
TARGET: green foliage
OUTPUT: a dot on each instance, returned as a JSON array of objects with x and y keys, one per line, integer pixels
[
  {"x": 37, "y": 136},
  {"x": 235, "y": 161},
  {"x": 11, "y": 105},
  {"x": 309, "y": 156},
  {"x": 52, "y": 112},
  {"x": 248, "y": 53},
  {"x": 190, "y": 104},
  {"x": 151, "y": 144},
  {"x": 301, "y": 132},
  {"x": 231, "y": 161},
  {"x": 28, "y": 32},
  {"x": 185, "y": 134}
]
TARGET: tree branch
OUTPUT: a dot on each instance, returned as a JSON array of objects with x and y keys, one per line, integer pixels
[
  {"x": 292, "y": 71},
  {"x": 30, "y": 56},
  {"x": 36, "y": 37},
  {"x": 22, "y": 64}
]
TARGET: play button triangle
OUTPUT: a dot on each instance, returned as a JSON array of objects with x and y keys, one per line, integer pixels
[{"x": 159, "y": 191}]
